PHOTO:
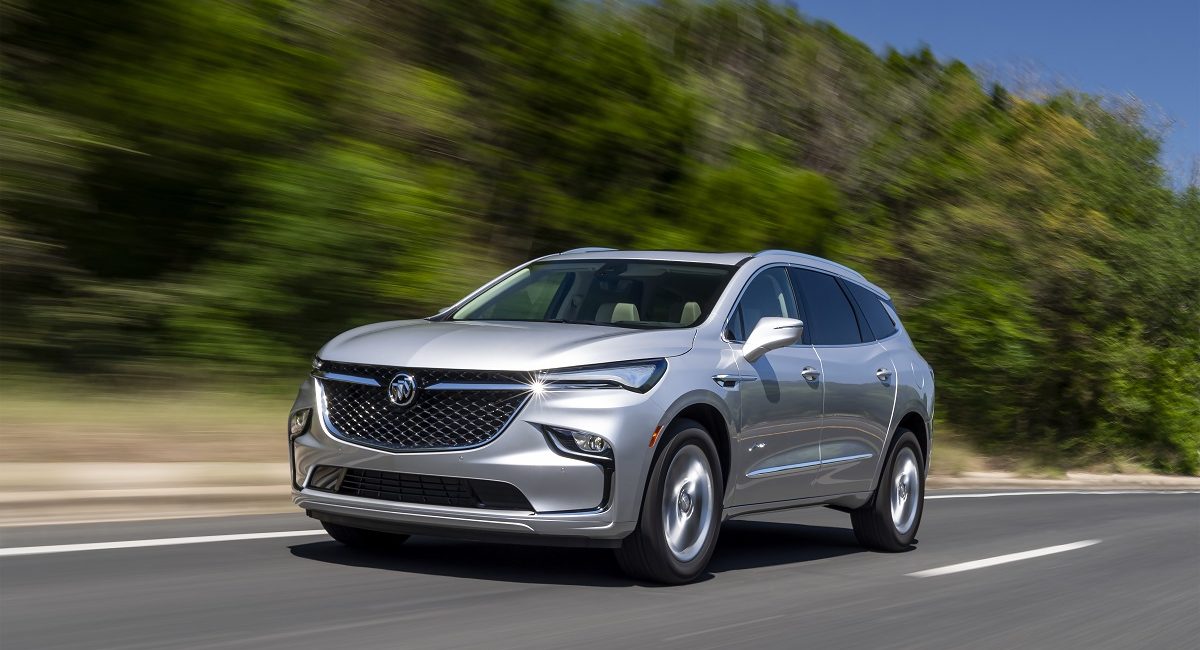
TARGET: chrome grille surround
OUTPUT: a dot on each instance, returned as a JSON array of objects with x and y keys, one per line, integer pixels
[{"x": 453, "y": 409}]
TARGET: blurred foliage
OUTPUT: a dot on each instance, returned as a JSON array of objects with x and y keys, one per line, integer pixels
[{"x": 226, "y": 184}]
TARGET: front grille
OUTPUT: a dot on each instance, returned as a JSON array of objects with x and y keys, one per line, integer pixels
[
  {"x": 436, "y": 419},
  {"x": 422, "y": 488}
]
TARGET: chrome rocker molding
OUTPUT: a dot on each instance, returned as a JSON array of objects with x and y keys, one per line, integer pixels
[{"x": 812, "y": 463}]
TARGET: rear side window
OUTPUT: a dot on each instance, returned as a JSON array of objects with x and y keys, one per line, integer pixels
[
  {"x": 881, "y": 323},
  {"x": 768, "y": 294},
  {"x": 830, "y": 314}
]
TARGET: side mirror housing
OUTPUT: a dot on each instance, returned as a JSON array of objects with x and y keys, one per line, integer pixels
[{"x": 772, "y": 332}]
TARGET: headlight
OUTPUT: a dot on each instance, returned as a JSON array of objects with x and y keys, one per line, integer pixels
[
  {"x": 298, "y": 423},
  {"x": 637, "y": 376}
]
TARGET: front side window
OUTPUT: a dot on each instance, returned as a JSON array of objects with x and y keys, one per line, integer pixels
[
  {"x": 831, "y": 316},
  {"x": 620, "y": 293},
  {"x": 768, "y": 294}
]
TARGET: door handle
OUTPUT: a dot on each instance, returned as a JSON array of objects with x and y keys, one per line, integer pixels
[
  {"x": 810, "y": 373},
  {"x": 883, "y": 375}
]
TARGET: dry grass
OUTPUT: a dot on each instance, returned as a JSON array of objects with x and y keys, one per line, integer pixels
[
  {"x": 48, "y": 420},
  {"x": 65, "y": 422},
  {"x": 952, "y": 455}
]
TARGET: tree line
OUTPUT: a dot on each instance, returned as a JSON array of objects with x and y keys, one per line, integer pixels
[{"x": 191, "y": 186}]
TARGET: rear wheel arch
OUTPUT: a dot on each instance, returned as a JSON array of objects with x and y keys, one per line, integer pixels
[{"x": 915, "y": 422}]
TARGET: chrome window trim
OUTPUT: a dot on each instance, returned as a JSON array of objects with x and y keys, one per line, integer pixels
[{"x": 846, "y": 345}]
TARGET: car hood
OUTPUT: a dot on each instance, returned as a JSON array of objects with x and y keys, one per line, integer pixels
[{"x": 500, "y": 345}]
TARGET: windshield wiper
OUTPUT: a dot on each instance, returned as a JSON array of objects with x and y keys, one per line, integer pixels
[{"x": 572, "y": 322}]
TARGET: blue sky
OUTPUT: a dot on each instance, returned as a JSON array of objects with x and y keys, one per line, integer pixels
[{"x": 1147, "y": 48}]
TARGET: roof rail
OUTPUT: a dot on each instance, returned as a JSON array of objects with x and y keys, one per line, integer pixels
[
  {"x": 588, "y": 249},
  {"x": 779, "y": 251}
]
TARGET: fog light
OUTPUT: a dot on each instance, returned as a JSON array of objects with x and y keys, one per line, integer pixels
[
  {"x": 298, "y": 423},
  {"x": 579, "y": 444},
  {"x": 589, "y": 442}
]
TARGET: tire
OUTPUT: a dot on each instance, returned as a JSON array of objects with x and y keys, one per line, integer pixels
[
  {"x": 684, "y": 494},
  {"x": 362, "y": 538},
  {"x": 889, "y": 521}
]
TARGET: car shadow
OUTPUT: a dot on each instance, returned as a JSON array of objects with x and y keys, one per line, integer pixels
[{"x": 743, "y": 545}]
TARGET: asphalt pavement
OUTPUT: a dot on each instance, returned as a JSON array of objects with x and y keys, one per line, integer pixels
[{"x": 1042, "y": 570}]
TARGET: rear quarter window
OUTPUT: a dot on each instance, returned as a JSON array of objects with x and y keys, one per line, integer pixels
[{"x": 871, "y": 304}]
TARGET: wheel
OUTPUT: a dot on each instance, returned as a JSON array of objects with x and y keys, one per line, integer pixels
[
  {"x": 889, "y": 521},
  {"x": 681, "y": 510},
  {"x": 363, "y": 538}
]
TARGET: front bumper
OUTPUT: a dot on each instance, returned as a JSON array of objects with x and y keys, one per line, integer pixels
[{"x": 573, "y": 501}]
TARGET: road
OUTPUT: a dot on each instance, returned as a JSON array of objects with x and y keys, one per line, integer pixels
[{"x": 1074, "y": 571}]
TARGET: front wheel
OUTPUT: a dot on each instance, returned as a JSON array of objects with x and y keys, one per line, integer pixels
[
  {"x": 889, "y": 521},
  {"x": 681, "y": 510}
]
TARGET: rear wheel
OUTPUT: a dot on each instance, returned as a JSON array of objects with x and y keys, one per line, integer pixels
[
  {"x": 681, "y": 510},
  {"x": 363, "y": 538},
  {"x": 889, "y": 521}
]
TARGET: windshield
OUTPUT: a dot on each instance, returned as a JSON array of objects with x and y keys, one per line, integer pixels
[{"x": 621, "y": 293}]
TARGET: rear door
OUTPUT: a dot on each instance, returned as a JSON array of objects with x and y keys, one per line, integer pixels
[{"x": 860, "y": 386}]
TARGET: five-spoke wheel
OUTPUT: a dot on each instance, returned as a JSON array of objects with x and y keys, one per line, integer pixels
[
  {"x": 889, "y": 521},
  {"x": 681, "y": 510}
]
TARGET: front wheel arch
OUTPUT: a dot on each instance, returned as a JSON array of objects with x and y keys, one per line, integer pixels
[
  {"x": 714, "y": 422},
  {"x": 644, "y": 553}
]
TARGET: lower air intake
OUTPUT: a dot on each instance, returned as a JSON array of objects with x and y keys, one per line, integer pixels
[{"x": 420, "y": 488}]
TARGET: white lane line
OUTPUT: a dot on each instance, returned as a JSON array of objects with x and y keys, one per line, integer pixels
[
  {"x": 143, "y": 543},
  {"x": 1003, "y": 559},
  {"x": 173, "y": 541},
  {"x": 1030, "y": 493},
  {"x": 723, "y": 627}
]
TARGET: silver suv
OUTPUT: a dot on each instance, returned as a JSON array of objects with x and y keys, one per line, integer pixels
[{"x": 623, "y": 399}]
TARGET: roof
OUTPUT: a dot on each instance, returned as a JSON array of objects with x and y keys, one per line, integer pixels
[{"x": 729, "y": 259}]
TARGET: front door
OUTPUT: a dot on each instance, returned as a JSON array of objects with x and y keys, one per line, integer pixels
[{"x": 777, "y": 451}]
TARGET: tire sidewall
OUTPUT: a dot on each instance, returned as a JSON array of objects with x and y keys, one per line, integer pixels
[
  {"x": 906, "y": 439},
  {"x": 651, "y": 518}
]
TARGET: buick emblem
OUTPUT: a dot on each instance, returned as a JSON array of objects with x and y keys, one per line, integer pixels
[{"x": 403, "y": 389}]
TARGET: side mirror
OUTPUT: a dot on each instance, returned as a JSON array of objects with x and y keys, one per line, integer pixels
[{"x": 772, "y": 332}]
